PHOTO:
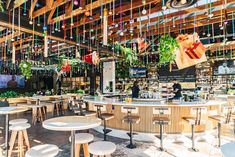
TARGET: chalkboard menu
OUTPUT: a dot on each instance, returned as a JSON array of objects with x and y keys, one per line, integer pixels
[{"x": 184, "y": 75}]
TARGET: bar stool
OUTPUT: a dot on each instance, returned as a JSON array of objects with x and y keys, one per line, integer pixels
[
  {"x": 82, "y": 139},
  {"x": 38, "y": 113},
  {"x": 224, "y": 118},
  {"x": 104, "y": 117},
  {"x": 21, "y": 131},
  {"x": 82, "y": 109},
  {"x": 44, "y": 150},
  {"x": 58, "y": 107},
  {"x": 18, "y": 121},
  {"x": 196, "y": 119},
  {"x": 130, "y": 119},
  {"x": 161, "y": 120},
  {"x": 102, "y": 148}
]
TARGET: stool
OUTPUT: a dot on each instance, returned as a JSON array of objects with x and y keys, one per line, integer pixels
[
  {"x": 104, "y": 117},
  {"x": 44, "y": 150},
  {"x": 58, "y": 107},
  {"x": 20, "y": 130},
  {"x": 82, "y": 139},
  {"x": 38, "y": 113},
  {"x": 197, "y": 113},
  {"x": 224, "y": 118},
  {"x": 102, "y": 148},
  {"x": 161, "y": 120},
  {"x": 82, "y": 109},
  {"x": 130, "y": 119},
  {"x": 18, "y": 121}
]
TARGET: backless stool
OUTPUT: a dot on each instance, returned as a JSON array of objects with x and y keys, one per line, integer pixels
[
  {"x": 161, "y": 119},
  {"x": 130, "y": 119}
]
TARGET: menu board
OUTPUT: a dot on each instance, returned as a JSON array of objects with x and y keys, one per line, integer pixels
[
  {"x": 226, "y": 67},
  {"x": 137, "y": 72},
  {"x": 183, "y": 75}
]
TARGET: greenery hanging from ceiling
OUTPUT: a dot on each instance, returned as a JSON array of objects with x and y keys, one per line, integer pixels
[
  {"x": 1, "y": 6},
  {"x": 167, "y": 47},
  {"x": 25, "y": 67}
]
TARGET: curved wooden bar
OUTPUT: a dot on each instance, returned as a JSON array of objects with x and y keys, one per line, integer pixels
[{"x": 178, "y": 111}]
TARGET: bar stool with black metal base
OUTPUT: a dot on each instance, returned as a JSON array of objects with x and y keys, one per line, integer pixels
[
  {"x": 224, "y": 118},
  {"x": 82, "y": 109},
  {"x": 130, "y": 119},
  {"x": 161, "y": 120},
  {"x": 196, "y": 119},
  {"x": 105, "y": 116}
]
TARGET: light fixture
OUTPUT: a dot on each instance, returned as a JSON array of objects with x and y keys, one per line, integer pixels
[
  {"x": 38, "y": 24},
  {"x": 75, "y": 2},
  {"x": 110, "y": 12},
  {"x": 63, "y": 26},
  {"x": 174, "y": 26},
  {"x": 80, "y": 8},
  {"x": 208, "y": 35},
  {"x": 12, "y": 39},
  {"x": 30, "y": 22},
  {"x": 144, "y": 11},
  {"x": 131, "y": 20},
  {"x": 164, "y": 8},
  {"x": 71, "y": 24},
  {"x": 121, "y": 33},
  {"x": 210, "y": 15}
]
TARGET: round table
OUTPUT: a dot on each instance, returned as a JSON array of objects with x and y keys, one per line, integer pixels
[
  {"x": 6, "y": 111},
  {"x": 71, "y": 123},
  {"x": 228, "y": 149}
]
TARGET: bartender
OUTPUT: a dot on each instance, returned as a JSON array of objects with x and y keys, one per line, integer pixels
[
  {"x": 176, "y": 89},
  {"x": 135, "y": 90}
]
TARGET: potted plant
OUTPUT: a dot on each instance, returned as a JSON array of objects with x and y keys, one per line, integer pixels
[{"x": 168, "y": 46}]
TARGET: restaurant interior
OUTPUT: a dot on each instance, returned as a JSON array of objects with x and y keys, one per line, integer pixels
[{"x": 117, "y": 78}]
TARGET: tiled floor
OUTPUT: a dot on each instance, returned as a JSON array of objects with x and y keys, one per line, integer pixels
[{"x": 149, "y": 148}]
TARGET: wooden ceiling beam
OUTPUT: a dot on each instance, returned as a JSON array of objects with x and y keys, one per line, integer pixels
[
  {"x": 49, "y": 3},
  {"x": 47, "y": 8},
  {"x": 171, "y": 15},
  {"x": 18, "y": 3},
  {"x": 175, "y": 30},
  {"x": 32, "y": 7},
  {"x": 9, "y": 36},
  {"x": 76, "y": 12},
  {"x": 125, "y": 7}
]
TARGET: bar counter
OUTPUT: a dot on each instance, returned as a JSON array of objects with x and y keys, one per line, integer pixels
[{"x": 145, "y": 111}]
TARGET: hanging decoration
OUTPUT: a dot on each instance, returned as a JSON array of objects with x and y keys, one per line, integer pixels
[
  {"x": 13, "y": 53},
  {"x": 129, "y": 55},
  {"x": 92, "y": 58},
  {"x": 1, "y": 6},
  {"x": 25, "y": 67},
  {"x": 105, "y": 27},
  {"x": 167, "y": 48},
  {"x": 66, "y": 67}
]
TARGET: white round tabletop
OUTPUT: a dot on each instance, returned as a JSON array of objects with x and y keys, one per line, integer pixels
[
  {"x": 71, "y": 123},
  {"x": 228, "y": 149},
  {"x": 12, "y": 109}
]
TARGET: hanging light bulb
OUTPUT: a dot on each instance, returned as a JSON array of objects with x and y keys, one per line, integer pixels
[
  {"x": 63, "y": 26},
  {"x": 71, "y": 24},
  {"x": 110, "y": 12},
  {"x": 164, "y": 8},
  {"x": 144, "y": 11},
  {"x": 208, "y": 35},
  {"x": 210, "y": 15},
  {"x": 30, "y": 22},
  {"x": 183, "y": 1},
  {"x": 225, "y": 22},
  {"x": 75, "y": 2},
  {"x": 121, "y": 33}
]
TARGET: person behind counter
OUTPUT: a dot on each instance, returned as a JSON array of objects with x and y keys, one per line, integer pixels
[
  {"x": 135, "y": 90},
  {"x": 176, "y": 89}
]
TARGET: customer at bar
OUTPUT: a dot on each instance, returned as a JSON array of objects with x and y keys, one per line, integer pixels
[
  {"x": 135, "y": 90},
  {"x": 176, "y": 89}
]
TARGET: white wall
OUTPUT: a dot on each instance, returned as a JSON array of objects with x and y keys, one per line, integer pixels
[{"x": 108, "y": 75}]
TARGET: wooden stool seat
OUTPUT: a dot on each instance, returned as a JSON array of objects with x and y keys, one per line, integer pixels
[
  {"x": 104, "y": 148},
  {"x": 219, "y": 118},
  {"x": 106, "y": 116},
  {"x": 193, "y": 121},
  {"x": 20, "y": 127},
  {"x": 161, "y": 120},
  {"x": 45, "y": 150},
  {"x": 39, "y": 113},
  {"x": 18, "y": 121},
  {"x": 131, "y": 119}
]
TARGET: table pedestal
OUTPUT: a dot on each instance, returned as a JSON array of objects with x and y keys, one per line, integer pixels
[
  {"x": 6, "y": 135},
  {"x": 72, "y": 144}
]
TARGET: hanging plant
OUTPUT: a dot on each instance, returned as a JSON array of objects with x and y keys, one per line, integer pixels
[
  {"x": 167, "y": 47},
  {"x": 25, "y": 68},
  {"x": 1, "y": 6}
]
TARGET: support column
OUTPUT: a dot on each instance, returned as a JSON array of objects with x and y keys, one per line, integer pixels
[{"x": 92, "y": 80}]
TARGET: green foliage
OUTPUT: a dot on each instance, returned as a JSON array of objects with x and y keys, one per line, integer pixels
[
  {"x": 80, "y": 91},
  {"x": 9, "y": 94},
  {"x": 26, "y": 67},
  {"x": 130, "y": 56},
  {"x": 1, "y": 6},
  {"x": 166, "y": 49}
]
